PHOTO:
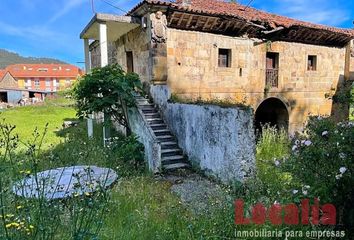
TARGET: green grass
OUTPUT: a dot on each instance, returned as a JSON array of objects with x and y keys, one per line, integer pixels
[
  {"x": 28, "y": 118},
  {"x": 141, "y": 207}
]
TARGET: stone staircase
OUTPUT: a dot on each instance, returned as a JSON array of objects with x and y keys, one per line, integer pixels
[{"x": 172, "y": 156}]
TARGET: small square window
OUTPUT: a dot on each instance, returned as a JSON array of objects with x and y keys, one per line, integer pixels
[
  {"x": 312, "y": 63},
  {"x": 224, "y": 59}
]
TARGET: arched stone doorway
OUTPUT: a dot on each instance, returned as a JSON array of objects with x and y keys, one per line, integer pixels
[{"x": 274, "y": 112}]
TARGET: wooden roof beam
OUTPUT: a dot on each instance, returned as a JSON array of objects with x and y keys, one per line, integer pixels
[{"x": 273, "y": 30}]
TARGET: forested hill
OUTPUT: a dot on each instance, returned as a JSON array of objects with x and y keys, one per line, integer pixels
[{"x": 8, "y": 58}]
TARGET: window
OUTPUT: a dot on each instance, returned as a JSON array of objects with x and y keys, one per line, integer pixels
[
  {"x": 312, "y": 63},
  {"x": 28, "y": 84},
  {"x": 47, "y": 82},
  {"x": 224, "y": 58},
  {"x": 55, "y": 82},
  {"x": 36, "y": 83},
  {"x": 272, "y": 66},
  {"x": 272, "y": 60}
]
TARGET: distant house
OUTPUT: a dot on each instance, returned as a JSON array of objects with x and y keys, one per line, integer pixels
[
  {"x": 43, "y": 77},
  {"x": 21, "y": 81}
]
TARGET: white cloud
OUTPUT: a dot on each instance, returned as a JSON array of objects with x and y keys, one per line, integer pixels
[
  {"x": 35, "y": 32},
  {"x": 69, "y": 6},
  {"x": 316, "y": 11}
]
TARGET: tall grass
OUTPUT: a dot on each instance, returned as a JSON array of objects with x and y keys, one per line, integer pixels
[
  {"x": 272, "y": 150},
  {"x": 273, "y": 143}
]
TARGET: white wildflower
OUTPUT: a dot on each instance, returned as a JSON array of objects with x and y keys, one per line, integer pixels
[
  {"x": 277, "y": 163},
  {"x": 324, "y": 133},
  {"x": 342, "y": 170},
  {"x": 307, "y": 186},
  {"x": 295, "y": 191},
  {"x": 304, "y": 192},
  {"x": 308, "y": 143},
  {"x": 338, "y": 176},
  {"x": 294, "y": 148}
]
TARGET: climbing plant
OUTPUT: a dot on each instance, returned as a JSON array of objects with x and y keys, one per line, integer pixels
[{"x": 109, "y": 90}]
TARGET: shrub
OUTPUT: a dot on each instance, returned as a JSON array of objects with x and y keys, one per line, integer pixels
[
  {"x": 129, "y": 152},
  {"x": 322, "y": 163},
  {"x": 108, "y": 90}
]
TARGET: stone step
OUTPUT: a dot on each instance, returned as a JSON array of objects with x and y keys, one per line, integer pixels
[
  {"x": 152, "y": 115},
  {"x": 152, "y": 110},
  {"x": 146, "y": 106},
  {"x": 168, "y": 152},
  {"x": 153, "y": 121},
  {"x": 161, "y": 132},
  {"x": 169, "y": 144},
  {"x": 165, "y": 160},
  {"x": 175, "y": 166},
  {"x": 175, "y": 157},
  {"x": 158, "y": 126},
  {"x": 165, "y": 137}
]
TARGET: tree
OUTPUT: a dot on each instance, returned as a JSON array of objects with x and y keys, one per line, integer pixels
[{"x": 108, "y": 90}]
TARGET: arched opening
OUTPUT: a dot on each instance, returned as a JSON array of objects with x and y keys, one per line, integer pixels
[{"x": 272, "y": 111}]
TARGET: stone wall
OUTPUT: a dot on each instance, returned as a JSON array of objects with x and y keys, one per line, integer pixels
[
  {"x": 96, "y": 54},
  {"x": 137, "y": 41},
  {"x": 193, "y": 72},
  {"x": 152, "y": 146},
  {"x": 219, "y": 141},
  {"x": 8, "y": 81}
]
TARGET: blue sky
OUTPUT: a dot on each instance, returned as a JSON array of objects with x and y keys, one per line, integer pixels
[{"x": 50, "y": 28}]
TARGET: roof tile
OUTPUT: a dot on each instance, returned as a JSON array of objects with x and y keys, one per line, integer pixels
[
  {"x": 220, "y": 7},
  {"x": 43, "y": 70}
]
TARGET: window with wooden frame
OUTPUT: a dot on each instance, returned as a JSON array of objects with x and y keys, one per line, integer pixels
[
  {"x": 224, "y": 59},
  {"x": 311, "y": 63}
]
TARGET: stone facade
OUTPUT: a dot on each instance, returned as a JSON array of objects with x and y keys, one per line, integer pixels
[
  {"x": 96, "y": 54},
  {"x": 187, "y": 61},
  {"x": 193, "y": 72},
  {"x": 137, "y": 41},
  {"x": 8, "y": 81}
]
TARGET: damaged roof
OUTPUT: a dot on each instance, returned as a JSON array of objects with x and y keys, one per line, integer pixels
[{"x": 265, "y": 20}]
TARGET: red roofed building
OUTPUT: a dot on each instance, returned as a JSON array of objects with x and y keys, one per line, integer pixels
[
  {"x": 43, "y": 77},
  {"x": 2, "y": 73}
]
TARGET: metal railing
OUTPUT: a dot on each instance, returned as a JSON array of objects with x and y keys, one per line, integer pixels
[{"x": 272, "y": 77}]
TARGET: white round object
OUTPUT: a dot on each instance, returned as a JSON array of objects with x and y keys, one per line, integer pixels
[{"x": 65, "y": 182}]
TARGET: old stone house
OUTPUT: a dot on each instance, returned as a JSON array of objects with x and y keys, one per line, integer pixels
[
  {"x": 209, "y": 49},
  {"x": 285, "y": 69}
]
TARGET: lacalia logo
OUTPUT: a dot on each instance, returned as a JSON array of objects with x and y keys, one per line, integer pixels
[{"x": 290, "y": 214}]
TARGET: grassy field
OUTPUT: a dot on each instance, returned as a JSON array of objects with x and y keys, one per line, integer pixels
[
  {"x": 28, "y": 118},
  {"x": 139, "y": 206}
]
